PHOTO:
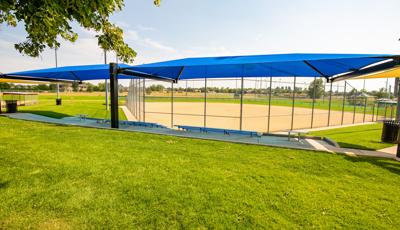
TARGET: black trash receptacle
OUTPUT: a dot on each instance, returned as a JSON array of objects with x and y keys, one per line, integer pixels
[
  {"x": 11, "y": 106},
  {"x": 390, "y": 131},
  {"x": 58, "y": 101}
]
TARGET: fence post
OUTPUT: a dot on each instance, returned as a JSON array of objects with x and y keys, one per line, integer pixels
[
  {"x": 330, "y": 103},
  {"x": 385, "y": 111},
  {"x": 144, "y": 100},
  {"x": 186, "y": 90},
  {"x": 354, "y": 107},
  {"x": 139, "y": 100},
  {"x": 391, "y": 111},
  {"x": 313, "y": 102},
  {"x": 241, "y": 104},
  {"x": 269, "y": 103},
  {"x": 365, "y": 108},
  {"x": 294, "y": 94},
  {"x": 344, "y": 100},
  {"x": 373, "y": 111},
  {"x": 134, "y": 98},
  {"x": 205, "y": 102},
  {"x": 172, "y": 105}
]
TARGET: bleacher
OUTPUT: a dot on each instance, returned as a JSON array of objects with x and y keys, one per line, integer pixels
[{"x": 217, "y": 130}]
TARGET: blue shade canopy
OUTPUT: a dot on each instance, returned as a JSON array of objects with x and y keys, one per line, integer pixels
[
  {"x": 277, "y": 65},
  {"x": 70, "y": 73}
]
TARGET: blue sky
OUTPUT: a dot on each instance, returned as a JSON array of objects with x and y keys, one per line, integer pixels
[{"x": 182, "y": 28}]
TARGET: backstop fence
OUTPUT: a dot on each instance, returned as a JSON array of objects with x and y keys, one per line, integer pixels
[{"x": 261, "y": 104}]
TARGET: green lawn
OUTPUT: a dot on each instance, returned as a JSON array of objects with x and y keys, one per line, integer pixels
[
  {"x": 54, "y": 176},
  {"x": 93, "y": 106},
  {"x": 359, "y": 137}
]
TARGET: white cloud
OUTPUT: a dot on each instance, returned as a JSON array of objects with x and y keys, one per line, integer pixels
[
  {"x": 158, "y": 45},
  {"x": 145, "y": 28}
]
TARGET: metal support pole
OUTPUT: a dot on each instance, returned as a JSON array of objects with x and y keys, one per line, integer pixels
[
  {"x": 385, "y": 111},
  {"x": 134, "y": 97},
  {"x": 377, "y": 111},
  {"x": 144, "y": 100},
  {"x": 205, "y": 103},
  {"x": 186, "y": 90},
  {"x": 344, "y": 100},
  {"x": 139, "y": 99},
  {"x": 106, "y": 82},
  {"x": 365, "y": 108},
  {"x": 269, "y": 103},
  {"x": 354, "y": 108},
  {"x": 241, "y": 104},
  {"x": 391, "y": 111},
  {"x": 294, "y": 95},
  {"x": 373, "y": 111},
  {"x": 397, "y": 94},
  {"x": 313, "y": 102},
  {"x": 172, "y": 104},
  {"x": 114, "y": 95},
  {"x": 58, "y": 85},
  {"x": 330, "y": 104}
]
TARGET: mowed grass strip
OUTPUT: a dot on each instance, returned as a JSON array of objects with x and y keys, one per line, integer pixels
[
  {"x": 93, "y": 106},
  {"x": 366, "y": 137},
  {"x": 54, "y": 176}
]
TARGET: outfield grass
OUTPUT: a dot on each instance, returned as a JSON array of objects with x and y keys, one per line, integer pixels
[
  {"x": 360, "y": 137},
  {"x": 53, "y": 176},
  {"x": 91, "y": 105}
]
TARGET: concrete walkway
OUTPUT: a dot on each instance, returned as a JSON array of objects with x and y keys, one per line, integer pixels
[
  {"x": 313, "y": 144},
  {"x": 129, "y": 116}
]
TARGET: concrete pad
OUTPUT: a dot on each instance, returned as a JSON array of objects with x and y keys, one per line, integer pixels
[
  {"x": 128, "y": 114},
  {"x": 390, "y": 150}
]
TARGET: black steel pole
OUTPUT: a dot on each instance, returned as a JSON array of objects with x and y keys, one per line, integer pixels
[{"x": 114, "y": 95}]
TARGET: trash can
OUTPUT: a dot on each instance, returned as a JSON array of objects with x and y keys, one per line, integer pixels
[
  {"x": 58, "y": 101},
  {"x": 390, "y": 131},
  {"x": 11, "y": 106}
]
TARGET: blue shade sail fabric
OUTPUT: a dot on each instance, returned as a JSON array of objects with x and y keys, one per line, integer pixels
[{"x": 276, "y": 65}]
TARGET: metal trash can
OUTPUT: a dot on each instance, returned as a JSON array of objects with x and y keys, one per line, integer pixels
[
  {"x": 58, "y": 101},
  {"x": 390, "y": 131},
  {"x": 11, "y": 106}
]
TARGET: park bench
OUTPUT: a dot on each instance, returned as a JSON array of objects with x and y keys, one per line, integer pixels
[
  {"x": 216, "y": 130},
  {"x": 297, "y": 133},
  {"x": 142, "y": 124}
]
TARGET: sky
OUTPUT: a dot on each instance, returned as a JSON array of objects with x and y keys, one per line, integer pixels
[{"x": 182, "y": 28}]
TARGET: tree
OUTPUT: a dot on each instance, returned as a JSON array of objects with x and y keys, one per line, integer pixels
[
  {"x": 317, "y": 87},
  {"x": 75, "y": 86},
  {"x": 4, "y": 85},
  {"x": 89, "y": 87},
  {"x": 45, "y": 21}
]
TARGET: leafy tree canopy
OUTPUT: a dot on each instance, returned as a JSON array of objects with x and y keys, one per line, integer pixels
[{"x": 45, "y": 20}]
